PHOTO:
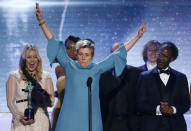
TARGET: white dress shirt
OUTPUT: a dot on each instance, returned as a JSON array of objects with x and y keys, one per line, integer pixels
[
  {"x": 150, "y": 67},
  {"x": 164, "y": 77}
]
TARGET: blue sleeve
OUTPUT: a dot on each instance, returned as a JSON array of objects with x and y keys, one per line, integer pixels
[
  {"x": 116, "y": 60},
  {"x": 56, "y": 52}
]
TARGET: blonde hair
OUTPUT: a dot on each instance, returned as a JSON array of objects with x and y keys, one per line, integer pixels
[{"x": 22, "y": 63}]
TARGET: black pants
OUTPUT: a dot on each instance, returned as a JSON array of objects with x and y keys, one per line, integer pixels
[{"x": 121, "y": 123}]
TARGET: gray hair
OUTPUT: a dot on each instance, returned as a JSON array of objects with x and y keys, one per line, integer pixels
[{"x": 87, "y": 43}]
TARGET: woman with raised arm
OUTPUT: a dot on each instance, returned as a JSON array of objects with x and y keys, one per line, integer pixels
[{"x": 74, "y": 112}]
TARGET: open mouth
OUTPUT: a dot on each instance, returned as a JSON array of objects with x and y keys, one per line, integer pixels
[{"x": 32, "y": 65}]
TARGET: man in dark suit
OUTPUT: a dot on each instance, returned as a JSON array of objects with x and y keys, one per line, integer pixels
[
  {"x": 117, "y": 98},
  {"x": 163, "y": 94},
  {"x": 149, "y": 55}
]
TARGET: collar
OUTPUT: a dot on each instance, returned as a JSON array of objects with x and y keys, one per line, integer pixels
[
  {"x": 149, "y": 66},
  {"x": 87, "y": 67},
  {"x": 165, "y": 71}
]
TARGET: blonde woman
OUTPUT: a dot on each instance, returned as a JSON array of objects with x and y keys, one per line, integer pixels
[{"x": 30, "y": 71}]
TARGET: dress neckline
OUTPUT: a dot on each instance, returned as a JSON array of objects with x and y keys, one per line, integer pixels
[{"x": 87, "y": 67}]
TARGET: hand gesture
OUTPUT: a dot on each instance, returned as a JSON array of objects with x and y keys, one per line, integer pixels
[
  {"x": 165, "y": 108},
  {"x": 26, "y": 122},
  {"x": 142, "y": 29},
  {"x": 38, "y": 13}
]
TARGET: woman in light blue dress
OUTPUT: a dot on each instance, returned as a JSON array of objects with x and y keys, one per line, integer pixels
[{"x": 74, "y": 112}]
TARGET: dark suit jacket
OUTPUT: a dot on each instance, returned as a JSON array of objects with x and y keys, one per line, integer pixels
[
  {"x": 149, "y": 95},
  {"x": 117, "y": 99},
  {"x": 143, "y": 67}
]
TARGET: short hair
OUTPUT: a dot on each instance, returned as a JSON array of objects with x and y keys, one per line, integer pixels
[
  {"x": 150, "y": 43},
  {"x": 86, "y": 43},
  {"x": 71, "y": 38},
  {"x": 22, "y": 62},
  {"x": 173, "y": 48}
]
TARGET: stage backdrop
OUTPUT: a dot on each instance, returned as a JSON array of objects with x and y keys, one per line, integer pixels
[{"x": 103, "y": 21}]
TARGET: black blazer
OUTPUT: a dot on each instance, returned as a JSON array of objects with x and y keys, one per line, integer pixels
[
  {"x": 143, "y": 67},
  {"x": 117, "y": 95},
  {"x": 149, "y": 95}
]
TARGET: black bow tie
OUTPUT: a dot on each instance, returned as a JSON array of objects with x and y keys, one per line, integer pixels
[{"x": 165, "y": 71}]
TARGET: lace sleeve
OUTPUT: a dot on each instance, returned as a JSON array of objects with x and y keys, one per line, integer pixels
[{"x": 11, "y": 86}]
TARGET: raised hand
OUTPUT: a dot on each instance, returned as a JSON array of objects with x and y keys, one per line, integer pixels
[
  {"x": 142, "y": 29},
  {"x": 42, "y": 23},
  {"x": 38, "y": 13}
]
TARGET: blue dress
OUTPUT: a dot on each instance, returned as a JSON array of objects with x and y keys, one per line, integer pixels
[{"x": 74, "y": 111}]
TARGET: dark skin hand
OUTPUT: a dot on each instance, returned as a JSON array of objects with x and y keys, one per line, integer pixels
[
  {"x": 165, "y": 108},
  {"x": 26, "y": 122}
]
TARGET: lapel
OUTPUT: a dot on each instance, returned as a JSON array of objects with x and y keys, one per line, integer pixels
[
  {"x": 145, "y": 67},
  {"x": 158, "y": 81},
  {"x": 171, "y": 85}
]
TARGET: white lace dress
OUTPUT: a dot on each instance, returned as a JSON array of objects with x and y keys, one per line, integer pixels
[{"x": 14, "y": 93}]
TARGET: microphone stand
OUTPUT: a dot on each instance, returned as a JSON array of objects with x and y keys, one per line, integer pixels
[{"x": 89, "y": 103}]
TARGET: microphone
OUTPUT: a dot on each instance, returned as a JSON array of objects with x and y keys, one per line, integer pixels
[{"x": 89, "y": 82}]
